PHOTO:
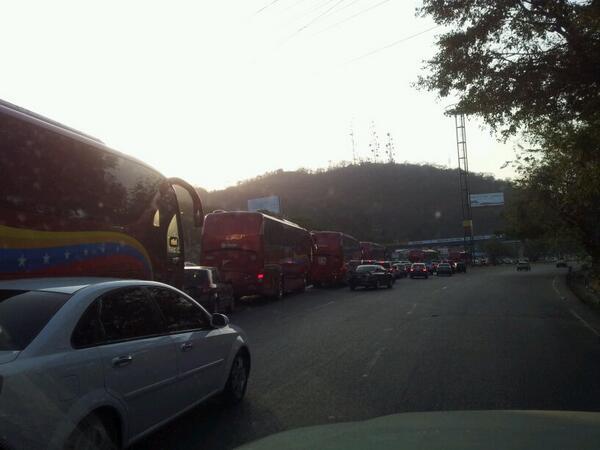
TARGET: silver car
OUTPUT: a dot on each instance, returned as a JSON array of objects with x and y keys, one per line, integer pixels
[{"x": 97, "y": 363}]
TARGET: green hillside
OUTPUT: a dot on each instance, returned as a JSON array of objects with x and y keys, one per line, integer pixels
[{"x": 381, "y": 202}]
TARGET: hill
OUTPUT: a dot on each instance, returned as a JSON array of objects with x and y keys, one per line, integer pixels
[{"x": 385, "y": 203}]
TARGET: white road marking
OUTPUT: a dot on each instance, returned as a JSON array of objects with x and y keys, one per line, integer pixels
[
  {"x": 587, "y": 325},
  {"x": 412, "y": 309},
  {"x": 445, "y": 287},
  {"x": 556, "y": 289},
  {"x": 323, "y": 305},
  {"x": 373, "y": 362}
]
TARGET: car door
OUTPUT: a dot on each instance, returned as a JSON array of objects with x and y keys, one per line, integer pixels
[
  {"x": 139, "y": 357},
  {"x": 201, "y": 349}
]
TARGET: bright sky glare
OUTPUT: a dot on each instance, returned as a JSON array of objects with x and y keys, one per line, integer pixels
[{"x": 219, "y": 91}]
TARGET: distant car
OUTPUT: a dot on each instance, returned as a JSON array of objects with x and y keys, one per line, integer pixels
[
  {"x": 523, "y": 265},
  {"x": 461, "y": 266},
  {"x": 444, "y": 269},
  {"x": 419, "y": 270},
  {"x": 370, "y": 276},
  {"x": 400, "y": 270},
  {"x": 389, "y": 266},
  {"x": 204, "y": 285},
  {"x": 429, "y": 266},
  {"x": 477, "y": 262},
  {"x": 92, "y": 363},
  {"x": 434, "y": 265},
  {"x": 561, "y": 263}
]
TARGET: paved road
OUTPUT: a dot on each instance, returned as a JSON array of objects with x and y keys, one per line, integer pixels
[{"x": 489, "y": 339}]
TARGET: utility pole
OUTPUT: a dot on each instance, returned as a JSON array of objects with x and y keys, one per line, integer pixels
[
  {"x": 353, "y": 143},
  {"x": 463, "y": 179}
]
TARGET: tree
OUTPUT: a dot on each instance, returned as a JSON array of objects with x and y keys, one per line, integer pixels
[{"x": 531, "y": 68}]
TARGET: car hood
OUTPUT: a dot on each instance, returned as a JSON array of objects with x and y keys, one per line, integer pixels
[
  {"x": 7, "y": 356},
  {"x": 459, "y": 430}
]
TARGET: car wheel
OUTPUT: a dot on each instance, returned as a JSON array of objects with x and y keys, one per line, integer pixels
[
  {"x": 390, "y": 284},
  {"x": 92, "y": 434},
  {"x": 231, "y": 308},
  {"x": 352, "y": 287},
  {"x": 426, "y": 276},
  {"x": 238, "y": 380}
]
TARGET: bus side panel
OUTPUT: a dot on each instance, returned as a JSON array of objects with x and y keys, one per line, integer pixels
[{"x": 71, "y": 207}]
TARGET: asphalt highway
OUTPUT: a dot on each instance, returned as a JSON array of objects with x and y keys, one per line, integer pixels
[{"x": 492, "y": 338}]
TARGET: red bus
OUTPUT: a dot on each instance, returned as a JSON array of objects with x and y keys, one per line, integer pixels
[
  {"x": 424, "y": 256},
  {"x": 71, "y": 206},
  {"x": 256, "y": 253},
  {"x": 332, "y": 253},
  {"x": 371, "y": 251},
  {"x": 456, "y": 256}
]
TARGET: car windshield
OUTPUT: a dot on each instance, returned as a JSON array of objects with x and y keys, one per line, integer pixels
[
  {"x": 330, "y": 213},
  {"x": 361, "y": 269},
  {"x": 23, "y": 314}
]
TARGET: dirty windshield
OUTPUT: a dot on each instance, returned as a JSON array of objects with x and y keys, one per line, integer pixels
[{"x": 300, "y": 224}]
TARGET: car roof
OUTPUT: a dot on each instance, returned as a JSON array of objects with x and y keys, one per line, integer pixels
[{"x": 62, "y": 285}]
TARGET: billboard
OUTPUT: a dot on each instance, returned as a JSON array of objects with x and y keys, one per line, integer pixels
[
  {"x": 271, "y": 204},
  {"x": 493, "y": 199}
]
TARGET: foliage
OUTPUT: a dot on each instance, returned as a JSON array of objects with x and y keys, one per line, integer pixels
[
  {"x": 531, "y": 68},
  {"x": 384, "y": 202}
]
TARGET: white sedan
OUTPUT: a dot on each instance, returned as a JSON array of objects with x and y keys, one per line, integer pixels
[{"x": 97, "y": 363}]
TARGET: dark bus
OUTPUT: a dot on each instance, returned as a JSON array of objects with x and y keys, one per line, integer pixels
[
  {"x": 256, "y": 253},
  {"x": 71, "y": 206},
  {"x": 373, "y": 251},
  {"x": 333, "y": 251}
]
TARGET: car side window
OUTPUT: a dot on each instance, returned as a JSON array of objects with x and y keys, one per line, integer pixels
[
  {"x": 88, "y": 331},
  {"x": 129, "y": 313},
  {"x": 180, "y": 313},
  {"x": 118, "y": 315}
]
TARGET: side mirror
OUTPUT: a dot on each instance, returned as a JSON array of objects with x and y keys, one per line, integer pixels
[{"x": 219, "y": 320}]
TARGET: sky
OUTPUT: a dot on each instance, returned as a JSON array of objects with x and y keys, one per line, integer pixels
[{"x": 220, "y": 91}]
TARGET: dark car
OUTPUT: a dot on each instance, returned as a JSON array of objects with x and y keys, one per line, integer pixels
[
  {"x": 204, "y": 285},
  {"x": 523, "y": 264},
  {"x": 387, "y": 265},
  {"x": 444, "y": 269},
  {"x": 419, "y": 270},
  {"x": 461, "y": 266},
  {"x": 370, "y": 276},
  {"x": 401, "y": 270},
  {"x": 561, "y": 263}
]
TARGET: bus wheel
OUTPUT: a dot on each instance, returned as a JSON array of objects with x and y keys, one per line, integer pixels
[
  {"x": 279, "y": 290},
  {"x": 304, "y": 284}
]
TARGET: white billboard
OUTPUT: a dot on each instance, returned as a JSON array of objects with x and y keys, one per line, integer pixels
[
  {"x": 271, "y": 204},
  {"x": 493, "y": 199}
]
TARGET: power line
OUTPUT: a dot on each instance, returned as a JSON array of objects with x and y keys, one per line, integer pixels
[
  {"x": 324, "y": 13},
  {"x": 366, "y": 10},
  {"x": 266, "y": 6},
  {"x": 399, "y": 41}
]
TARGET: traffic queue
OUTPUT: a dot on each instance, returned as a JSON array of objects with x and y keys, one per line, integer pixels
[
  {"x": 112, "y": 284},
  {"x": 255, "y": 254}
]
